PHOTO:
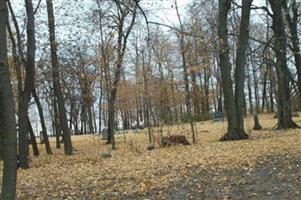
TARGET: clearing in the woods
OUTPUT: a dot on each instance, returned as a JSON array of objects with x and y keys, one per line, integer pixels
[{"x": 265, "y": 167}]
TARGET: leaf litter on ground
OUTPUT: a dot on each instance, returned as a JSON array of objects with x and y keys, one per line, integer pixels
[{"x": 137, "y": 172}]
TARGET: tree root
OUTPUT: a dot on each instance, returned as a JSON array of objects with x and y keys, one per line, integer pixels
[
  {"x": 235, "y": 135},
  {"x": 284, "y": 126}
]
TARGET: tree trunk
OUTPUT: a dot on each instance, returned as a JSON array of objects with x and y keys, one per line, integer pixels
[
  {"x": 206, "y": 89},
  {"x": 264, "y": 89},
  {"x": 293, "y": 28},
  {"x": 225, "y": 67},
  {"x": 241, "y": 62},
  {"x": 7, "y": 116},
  {"x": 111, "y": 117},
  {"x": 1, "y": 140},
  {"x": 185, "y": 76},
  {"x": 257, "y": 125},
  {"x": 28, "y": 85},
  {"x": 121, "y": 47},
  {"x": 146, "y": 95},
  {"x": 90, "y": 118},
  {"x": 99, "y": 112},
  {"x": 72, "y": 102},
  {"x": 284, "y": 113},
  {"x": 18, "y": 34},
  {"x": 271, "y": 77},
  {"x": 250, "y": 91},
  {"x": 56, "y": 80},
  {"x": 42, "y": 120},
  {"x": 32, "y": 138},
  {"x": 233, "y": 104},
  {"x": 196, "y": 97},
  {"x": 16, "y": 59},
  {"x": 57, "y": 124}
]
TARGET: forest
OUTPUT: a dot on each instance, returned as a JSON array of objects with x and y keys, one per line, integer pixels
[{"x": 150, "y": 99}]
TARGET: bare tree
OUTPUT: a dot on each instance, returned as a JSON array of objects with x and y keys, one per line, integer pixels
[
  {"x": 123, "y": 34},
  {"x": 185, "y": 75},
  {"x": 56, "y": 80}
]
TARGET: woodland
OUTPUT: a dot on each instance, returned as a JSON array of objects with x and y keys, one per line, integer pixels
[{"x": 150, "y": 99}]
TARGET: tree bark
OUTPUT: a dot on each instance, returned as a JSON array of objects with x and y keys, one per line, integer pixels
[
  {"x": 293, "y": 29},
  {"x": 185, "y": 76},
  {"x": 250, "y": 92},
  {"x": 42, "y": 120},
  {"x": 32, "y": 138},
  {"x": 225, "y": 66},
  {"x": 233, "y": 104},
  {"x": 121, "y": 47},
  {"x": 57, "y": 124},
  {"x": 7, "y": 116},
  {"x": 196, "y": 97},
  {"x": 264, "y": 89},
  {"x": 56, "y": 80},
  {"x": 241, "y": 62},
  {"x": 257, "y": 125},
  {"x": 28, "y": 85},
  {"x": 284, "y": 113}
]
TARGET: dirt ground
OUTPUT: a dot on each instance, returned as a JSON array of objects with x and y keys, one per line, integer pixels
[{"x": 267, "y": 166}]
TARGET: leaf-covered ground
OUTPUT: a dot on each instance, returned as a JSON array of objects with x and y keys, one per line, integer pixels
[{"x": 265, "y": 167}]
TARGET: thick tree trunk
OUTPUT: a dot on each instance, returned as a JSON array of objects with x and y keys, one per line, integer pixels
[
  {"x": 42, "y": 120},
  {"x": 1, "y": 139},
  {"x": 284, "y": 113},
  {"x": 7, "y": 116},
  {"x": 225, "y": 67},
  {"x": 56, "y": 80},
  {"x": 241, "y": 62},
  {"x": 28, "y": 85},
  {"x": 233, "y": 104}
]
